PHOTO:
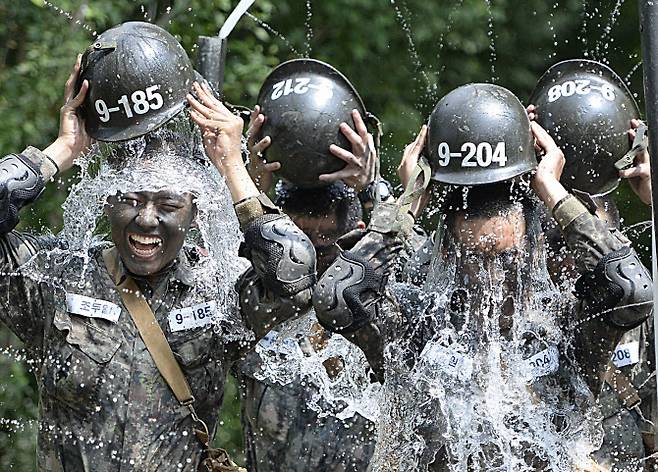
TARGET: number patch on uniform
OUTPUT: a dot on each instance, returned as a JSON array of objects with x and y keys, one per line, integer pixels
[
  {"x": 92, "y": 307},
  {"x": 579, "y": 87},
  {"x": 626, "y": 354},
  {"x": 544, "y": 363},
  {"x": 450, "y": 361},
  {"x": 140, "y": 103},
  {"x": 191, "y": 317},
  {"x": 474, "y": 155}
]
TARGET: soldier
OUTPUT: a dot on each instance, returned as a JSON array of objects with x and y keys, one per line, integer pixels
[
  {"x": 590, "y": 126},
  {"x": 105, "y": 404},
  {"x": 282, "y": 431},
  {"x": 489, "y": 306}
]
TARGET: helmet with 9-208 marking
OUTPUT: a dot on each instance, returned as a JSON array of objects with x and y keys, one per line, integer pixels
[{"x": 587, "y": 109}]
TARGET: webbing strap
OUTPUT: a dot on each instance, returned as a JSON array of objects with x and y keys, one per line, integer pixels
[
  {"x": 623, "y": 388},
  {"x": 149, "y": 330},
  {"x": 395, "y": 217},
  {"x": 640, "y": 144}
]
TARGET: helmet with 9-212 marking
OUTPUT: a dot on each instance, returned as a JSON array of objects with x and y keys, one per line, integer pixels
[
  {"x": 138, "y": 78},
  {"x": 304, "y": 102},
  {"x": 587, "y": 109},
  {"x": 479, "y": 134}
]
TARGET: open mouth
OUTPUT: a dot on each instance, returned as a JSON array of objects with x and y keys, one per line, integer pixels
[{"x": 143, "y": 245}]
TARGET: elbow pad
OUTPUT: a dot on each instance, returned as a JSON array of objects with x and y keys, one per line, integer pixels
[
  {"x": 21, "y": 182},
  {"x": 620, "y": 287},
  {"x": 344, "y": 298},
  {"x": 281, "y": 254}
]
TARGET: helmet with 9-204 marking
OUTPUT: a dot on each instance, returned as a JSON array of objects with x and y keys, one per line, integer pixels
[
  {"x": 479, "y": 134},
  {"x": 587, "y": 109},
  {"x": 138, "y": 78}
]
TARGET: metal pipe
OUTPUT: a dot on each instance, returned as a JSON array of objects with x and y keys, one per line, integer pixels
[
  {"x": 211, "y": 60},
  {"x": 649, "y": 37}
]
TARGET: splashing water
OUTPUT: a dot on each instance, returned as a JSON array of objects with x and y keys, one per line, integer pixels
[
  {"x": 429, "y": 88},
  {"x": 308, "y": 28},
  {"x": 134, "y": 167},
  {"x": 492, "y": 42},
  {"x": 474, "y": 377},
  {"x": 75, "y": 19},
  {"x": 275, "y": 33},
  {"x": 341, "y": 390}
]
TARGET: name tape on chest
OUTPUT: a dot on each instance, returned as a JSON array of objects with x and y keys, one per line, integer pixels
[
  {"x": 273, "y": 343},
  {"x": 450, "y": 361},
  {"x": 196, "y": 316},
  {"x": 544, "y": 363},
  {"x": 92, "y": 307},
  {"x": 626, "y": 354}
]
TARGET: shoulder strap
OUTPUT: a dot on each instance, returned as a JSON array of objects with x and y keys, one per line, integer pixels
[
  {"x": 623, "y": 388},
  {"x": 150, "y": 331}
]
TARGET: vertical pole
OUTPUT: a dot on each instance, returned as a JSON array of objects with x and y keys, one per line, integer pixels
[
  {"x": 649, "y": 37},
  {"x": 211, "y": 61}
]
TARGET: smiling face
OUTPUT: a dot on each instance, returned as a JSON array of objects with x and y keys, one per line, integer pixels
[{"x": 149, "y": 228}]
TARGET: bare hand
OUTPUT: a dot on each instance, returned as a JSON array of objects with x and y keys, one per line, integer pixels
[
  {"x": 73, "y": 139},
  {"x": 411, "y": 155},
  {"x": 531, "y": 110},
  {"x": 639, "y": 176},
  {"x": 546, "y": 182},
  {"x": 260, "y": 170},
  {"x": 221, "y": 129},
  {"x": 407, "y": 166},
  {"x": 361, "y": 162}
]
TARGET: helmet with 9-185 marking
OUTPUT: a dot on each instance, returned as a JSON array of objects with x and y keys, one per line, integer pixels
[
  {"x": 138, "y": 78},
  {"x": 479, "y": 134}
]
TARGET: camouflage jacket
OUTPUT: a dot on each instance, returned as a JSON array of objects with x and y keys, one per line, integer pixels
[
  {"x": 281, "y": 432},
  {"x": 104, "y": 406}
]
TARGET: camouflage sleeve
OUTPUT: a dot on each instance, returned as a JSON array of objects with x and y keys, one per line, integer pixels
[
  {"x": 614, "y": 289},
  {"x": 22, "y": 299},
  {"x": 279, "y": 284},
  {"x": 22, "y": 179}
]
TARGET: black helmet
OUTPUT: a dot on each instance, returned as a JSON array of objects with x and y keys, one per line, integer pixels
[
  {"x": 587, "y": 109},
  {"x": 479, "y": 134},
  {"x": 305, "y": 101},
  {"x": 138, "y": 77}
]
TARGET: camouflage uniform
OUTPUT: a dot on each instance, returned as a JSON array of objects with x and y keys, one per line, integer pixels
[
  {"x": 104, "y": 406},
  {"x": 281, "y": 432},
  {"x": 381, "y": 319}
]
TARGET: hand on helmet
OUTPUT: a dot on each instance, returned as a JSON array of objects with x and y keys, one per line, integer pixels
[
  {"x": 408, "y": 164},
  {"x": 531, "y": 110},
  {"x": 546, "y": 181},
  {"x": 361, "y": 162},
  {"x": 639, "y": 176},
  {"x": 221, "y": 129},
  {"x": 260, "y": 170},
  {"x": 73, "y": 139}
]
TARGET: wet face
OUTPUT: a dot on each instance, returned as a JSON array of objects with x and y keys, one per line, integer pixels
[
  {"x": 489, "y": 235},
  {"x": 149, "y": 228}
]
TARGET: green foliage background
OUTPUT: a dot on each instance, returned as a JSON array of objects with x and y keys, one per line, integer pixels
[{"x": 401, "y": 55}]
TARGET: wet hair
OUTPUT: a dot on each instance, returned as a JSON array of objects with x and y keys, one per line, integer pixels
[
  {"x": 484, "y": 201},
  {"x": 335, "y": 199}
]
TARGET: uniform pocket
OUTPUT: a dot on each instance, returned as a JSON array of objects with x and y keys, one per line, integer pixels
[
  {"x": 193, "y": 349},
  {"x": 78, "y": 362}
]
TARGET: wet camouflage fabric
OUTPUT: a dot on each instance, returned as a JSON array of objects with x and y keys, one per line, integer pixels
[
  {"x": 281, "y": 433},
  {"x": 104, "y": 407},
  {"x": 589, "y": 239}
]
